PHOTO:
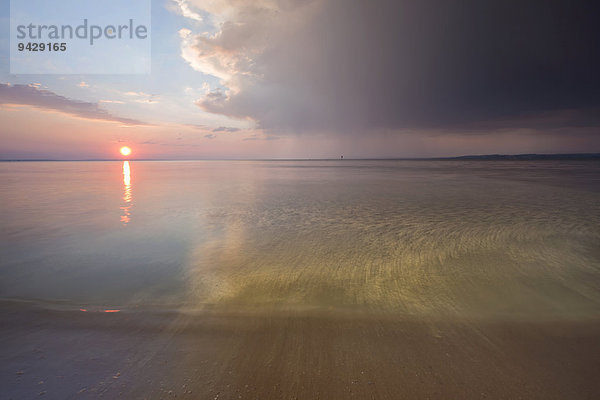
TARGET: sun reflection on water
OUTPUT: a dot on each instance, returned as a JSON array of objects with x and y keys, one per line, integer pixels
[{"x": 127, "y": 197}]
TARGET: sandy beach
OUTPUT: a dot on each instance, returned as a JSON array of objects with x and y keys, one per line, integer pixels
[{"x": 59, "y": 353}]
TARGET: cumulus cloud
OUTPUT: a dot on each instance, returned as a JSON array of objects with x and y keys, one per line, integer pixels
[
  {"x": 186, "y": 10},
  {"x": 355, "y": 66},
  {"x": 44, "y": 99}
]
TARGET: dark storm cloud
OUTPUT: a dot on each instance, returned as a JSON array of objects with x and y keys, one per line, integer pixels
[
  {"x": 546, "y": 121},
  {"x": 31, "y": 95},
  {"x": 427, "y": 64}
]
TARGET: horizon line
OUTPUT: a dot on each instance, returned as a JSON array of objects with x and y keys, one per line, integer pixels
[{"x": 520, "y": 156}]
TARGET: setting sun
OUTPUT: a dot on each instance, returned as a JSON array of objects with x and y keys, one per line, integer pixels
[{"x": 125, "y": 151}]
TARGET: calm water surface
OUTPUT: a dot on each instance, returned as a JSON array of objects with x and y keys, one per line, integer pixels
[{"x": 477, "y": 239}]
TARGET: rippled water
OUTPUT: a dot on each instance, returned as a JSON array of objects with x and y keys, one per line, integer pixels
[{"x": 477, "y": 239}]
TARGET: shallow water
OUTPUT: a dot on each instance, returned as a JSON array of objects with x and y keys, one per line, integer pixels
[{"x": 474, "y": 239}]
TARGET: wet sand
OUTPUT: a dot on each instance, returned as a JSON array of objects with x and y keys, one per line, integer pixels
[{"x": 62, "y": 353}]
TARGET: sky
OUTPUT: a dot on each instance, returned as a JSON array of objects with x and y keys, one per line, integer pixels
[{"x": 324, "y": 78}]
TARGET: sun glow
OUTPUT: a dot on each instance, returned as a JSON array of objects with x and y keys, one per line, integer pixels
[{"x": 125, "y": 151}]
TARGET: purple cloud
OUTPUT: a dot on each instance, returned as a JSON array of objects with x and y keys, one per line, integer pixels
[{"x": 31, "y": 95}]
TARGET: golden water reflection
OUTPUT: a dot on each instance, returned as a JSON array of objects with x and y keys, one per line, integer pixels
[{"x": 127, "y": 197}]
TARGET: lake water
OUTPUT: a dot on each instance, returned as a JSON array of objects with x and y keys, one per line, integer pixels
[{"x": 472, "y": 239}]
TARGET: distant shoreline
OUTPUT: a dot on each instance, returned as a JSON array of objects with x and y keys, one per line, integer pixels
[{"x": 483, "y": 157}]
